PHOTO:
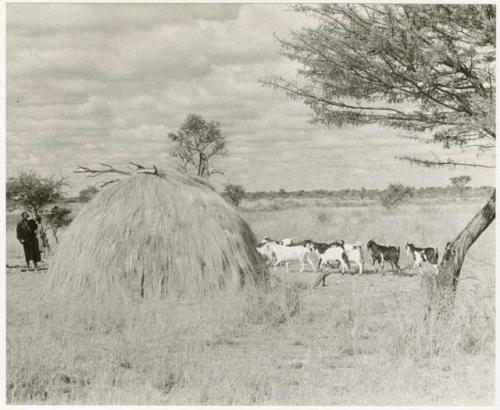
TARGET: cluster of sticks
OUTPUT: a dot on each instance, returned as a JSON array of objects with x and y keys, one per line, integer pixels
[{"x": 109, "y": 169}]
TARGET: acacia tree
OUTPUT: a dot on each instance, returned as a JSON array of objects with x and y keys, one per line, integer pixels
[
  {"x": 196, "y": 144},
  {"x": 425, "y": 69},
  {"x": 459, "y": 183},
  {"x": 34, "y": 193}
]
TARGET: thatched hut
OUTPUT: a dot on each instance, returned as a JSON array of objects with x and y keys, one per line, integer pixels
[{"x": 145, "y": 235}]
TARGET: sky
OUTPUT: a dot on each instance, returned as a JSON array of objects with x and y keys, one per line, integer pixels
[{"x": 91, "y": 83}]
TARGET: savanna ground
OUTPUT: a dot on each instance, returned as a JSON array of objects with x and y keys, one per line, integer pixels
[{"x": 360, "y": 340}]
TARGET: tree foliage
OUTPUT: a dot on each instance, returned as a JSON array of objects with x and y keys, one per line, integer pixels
[
  {"x": 395, "y": 195},
  {"x": 32, "y": 192},
  {"x": 235, "y": 193},
  {"x": 57, "y": 218},
  {"x": 422, "y": 68},
  {"x": 86, "y": 194},
  {"x": 196, "y": 144}
]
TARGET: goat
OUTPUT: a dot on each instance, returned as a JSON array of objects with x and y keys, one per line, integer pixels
[
  {"x": 354, "y": 253},
  {"x": 381, "y": 253},
  {"x": 287, "y": 253},
  {"x": 329, "y": 252},
  {"x": 420, "y": 255}
]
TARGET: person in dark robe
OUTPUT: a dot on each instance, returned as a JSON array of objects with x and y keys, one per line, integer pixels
[
  {"x": 26, "y": 235},
  {"x": 34, "y": 225}
]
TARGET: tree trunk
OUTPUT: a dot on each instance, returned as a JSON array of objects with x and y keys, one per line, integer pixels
[{"x": 454, "y": 253}]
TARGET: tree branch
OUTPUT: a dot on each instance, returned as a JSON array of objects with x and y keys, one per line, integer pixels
[
  {"x": 95, "y": 172},
  {"x": 438, "y": 163},
  {"x": 102, "y": 185},
  {"x": 92, "y": 173}
]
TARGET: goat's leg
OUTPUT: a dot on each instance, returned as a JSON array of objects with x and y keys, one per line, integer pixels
[
  {"x": 397, "y": 266},
  {"x": 347, "y": 267},
  {"x": 343, "y": 266},
  {"x": 311, "y": 263},
  {"x": 415, "y": 264},
  {"x": 301, "y": 260},
  {"x": 436, "y": 269}
]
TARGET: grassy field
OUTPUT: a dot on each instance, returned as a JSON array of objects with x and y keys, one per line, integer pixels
[{"x": 360, "y": 340}]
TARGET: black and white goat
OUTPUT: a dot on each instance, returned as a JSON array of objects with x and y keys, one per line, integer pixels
[
  {"x": 330, "y": 253},
  {"x": 381, "y": 253},
  {"x": 420, "y": 255}
]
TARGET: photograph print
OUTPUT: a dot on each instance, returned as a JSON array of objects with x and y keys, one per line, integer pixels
[{"x": 250, "y": 204}]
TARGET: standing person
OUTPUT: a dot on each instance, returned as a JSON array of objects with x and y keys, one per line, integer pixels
[
  {"x": 27, "y": 237},
  {"x": 35, "y": 225},
  {"x": 43, "y": 243}
]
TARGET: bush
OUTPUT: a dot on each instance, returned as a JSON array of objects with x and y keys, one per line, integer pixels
[
  {"x": 395, "y": 195},
  {"x": 275, "y": 307},
  {"x": 87, "y": 194},
  {"x": 59, "y": 217},
  {"x": 234, "y": 193}
]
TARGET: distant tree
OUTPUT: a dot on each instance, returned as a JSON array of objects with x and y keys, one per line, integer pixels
[
  {"x": 34, "y": 194},
  {"x": 57, "y": 218},
  {"x": 362, "y": 193},
  {"x": 86, "y": 194},
  {"x": 196, "y": 144},
  {"x": 459, "y": 184},
  {"x": 235, "y": 193},
  {"x": 413, "y": 67},
  {"x": 395, "y": 195}
]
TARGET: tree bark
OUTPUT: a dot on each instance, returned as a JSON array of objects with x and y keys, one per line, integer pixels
[{"x": 454, "y": 253}]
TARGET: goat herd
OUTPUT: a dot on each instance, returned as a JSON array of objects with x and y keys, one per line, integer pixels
[{"x": 339, "y": 252}]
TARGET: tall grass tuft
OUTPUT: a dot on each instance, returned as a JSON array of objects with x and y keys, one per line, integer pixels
[
  {"x": 274, "y": 307},
  {"x": 457, "y": 325}
]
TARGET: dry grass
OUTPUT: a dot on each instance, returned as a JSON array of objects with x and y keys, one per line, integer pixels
[
  {"x": 93, "y": 353},
  {"x": 361, "y": 340},
  {"x": 157, "y": 236}
]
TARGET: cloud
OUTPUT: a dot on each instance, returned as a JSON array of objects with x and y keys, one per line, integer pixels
[
  {"x": 91, "y": 82},
  {"x": 45, "y": 19}
]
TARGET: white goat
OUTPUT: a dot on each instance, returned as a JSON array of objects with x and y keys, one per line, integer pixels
[
  {"x": 355, "y": 254},
  {"x": 288, "y": 253},
  {"x": 266, "y": 253}
]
